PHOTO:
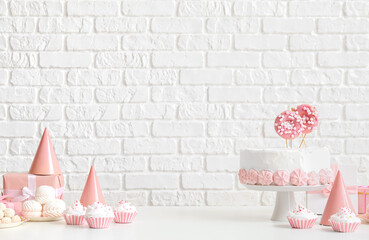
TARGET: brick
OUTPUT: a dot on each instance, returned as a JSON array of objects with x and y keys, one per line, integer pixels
[
  {"x": 358, "y": 77},
  {"x": 343, "y": 25},
  {"x": 65, "y": 25},
  {"x": 69, "y": 129},
  {"x": 95, "y": 8},
  {"x": 119, "y": 164},
  {"x": 3, "y": 43},
  {"x": 329, "y": 111},
  {"x": 89, "y": 42},
  {"x": 29, "y": 146},
  {"x": 176, "y": 163},
  {"x": 315, "y": 9},
  {"x": 169, "y": 59},
  {"x": 208, "y": 77},
  {"x": 344, "y": 94},
  {"x": 260, "y": 143},
  {"x": 122, "y": 129},
  {"x": 92, "y": 77},
  {"x": 123, "y": 25},
  {"x": 3, "y": 112},
  {"x": 17, "y": 129},
  {"x": 222, "y": 163},
  {"x": 149, "y": 146},
  {"x": 344, "y": 129},
  {"x": 178, "y": 94},
  {"x": 207, "y": 181},
  {"x": 232, "y": 25},
  {"x": 317, "y": 77},
  {"x": 17, "y": 95},
  {"x": 205, "y": 8},
  {"x": 204, "y": 111},
  {"x": 242, "y": 111},
  {"x": 357, "y": 112},
  {"x": 62, "y": 60},
  {"x": 343, "y": 59},
  {"x": 65, "y": 95},
  {"x": 92, "y": 147},
  {"x": 357, "y": 146},
  {"x": 106, "y": 181},
  {"x": 36, "y": 8},
  {"x": 357, "y": 42},
  {"x": 356, "y": 9},
  {"x": 234, "y": 94},
  {"x": 234, "y": 59},
  {"x": 132, "y": 94},
  {"x": 3, "y": 8},
  {"x": 119, "y": 60},
  {"x": 3, "y": 77},
  {"x": 148, "y": 111},
  {"x": 35, "y": 113},
  {"x": 36, "y": 77},
  {"x": 16, "y": 164},
  {"x": 152, "y": 181},
  {"x": 177, "y": 198},
  {"x": 229, "y": 198},
  {"x": 288, "y": 60},
  {"x": 264, "y": 42},
  {"x": 268, "y": 198},
  {"x": 3, "y": 147},
  {"x": 262, "y": 9},
  {"x": 137, "y": 198},
  {"x": 204, "y": 42},
  {"x": 176, "y": 25},
  {"x": 288, "y": 95},
  {"x": 17, "y": 25},
  {"x": 95, "y": 112},
  {"x": 148, "y": 42},
  {"x": 234, "y": 129},
  {"x": 207, "y": 146},
  {"x": 178, "y": 129},
  {"x": 260, "y": 77},
  {"x": 17, "y": 60},
  {"x": 150, "y": 77},
  {"x": 288, "y": 25},
  {"x": 315, "y": 43},
  {"x": 148, "y": 8}
]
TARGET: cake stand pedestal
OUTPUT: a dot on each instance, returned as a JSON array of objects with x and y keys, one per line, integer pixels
[{"x": 285, "y": 200}]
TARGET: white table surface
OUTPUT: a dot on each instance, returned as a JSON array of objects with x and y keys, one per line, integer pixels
[{"x": 175, "y": 223}]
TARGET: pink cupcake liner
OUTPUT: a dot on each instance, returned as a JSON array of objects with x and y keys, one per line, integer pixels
[
  {"x": 301, "y": 223},
  {"x": 99, "y": 223},
  {"x": 74, "y": 219},
  {"x": 344, "y": 227},
  {"x": 124, "y": 217}
]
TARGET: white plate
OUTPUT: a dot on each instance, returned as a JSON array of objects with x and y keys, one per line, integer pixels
[
  {"x": 46, "y": 219},
  {"x": 10, "y": 225}
]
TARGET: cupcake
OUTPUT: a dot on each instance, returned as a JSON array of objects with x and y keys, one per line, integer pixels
[
  {"x": 31, "y": 209},
  {"x": 302, "y": 218},
  {"x": 53, "y": 208},
  {"x": 75, "y": 214},
  {"x": 344, "y": 221},
  {"x": 98, "y": 215},
  {"x": 124, "y": 212}
]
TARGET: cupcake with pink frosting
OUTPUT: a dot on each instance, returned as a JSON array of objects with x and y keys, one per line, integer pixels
[
  {"x": 302, "y": 218},
  {"x": 344, "y": 221},
  {"x": 99, "y": 215},
  {"x": 75, "y": 214},
  {"x": 124, "y": 212}
]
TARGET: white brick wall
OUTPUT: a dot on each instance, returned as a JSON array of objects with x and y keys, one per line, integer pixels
[{"x": 161, "y": 95}]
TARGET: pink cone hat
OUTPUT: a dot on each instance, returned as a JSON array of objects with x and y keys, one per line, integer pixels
[
  {"x": 45, "y": 161},
  {"x": 338, "y": 198},
  {"x": 92, "y": 191}
]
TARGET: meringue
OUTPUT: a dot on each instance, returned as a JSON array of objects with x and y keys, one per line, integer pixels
[
  {"x": 53, "y": 208},
  {"x": 8, "y": 212},
  {"x": 6, "y": 220},
  {"x": 44, "y": 194},
  {"x": 31, "y": 209}
]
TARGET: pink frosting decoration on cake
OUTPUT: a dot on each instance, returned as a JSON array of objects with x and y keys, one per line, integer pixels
[
  {"x": 288, "y": 124},
  {"x": 309, "y": 116},
  {"x": 252, "y": 176},
  {"x": 281, "y": 177},
  {"x": 326, "y": 176},
  {"x": 298, "y": 177},
  {"x": 242, "y": 175},
  {"x": 265, "y": 177},
  {"x": 313, "y": 178}
]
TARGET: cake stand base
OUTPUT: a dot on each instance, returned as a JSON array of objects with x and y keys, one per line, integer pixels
[{"x": 285, "y": 200}]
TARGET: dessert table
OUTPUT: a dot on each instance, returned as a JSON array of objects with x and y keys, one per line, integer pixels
[{"x": 176, "y": 223}]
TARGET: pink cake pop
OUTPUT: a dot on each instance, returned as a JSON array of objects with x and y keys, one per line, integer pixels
[
  {"x": 298, "y": 177},
  {"x": 288, "y": 124},
  {"x": 265, "y": 177},
  {"x": 242, "y": 175},
  {"x": 309, "y": 116},
  {"x": 281, "y": 178},
  {"x": 252, "y": 176},
  {"x": 313, "y": 178}
]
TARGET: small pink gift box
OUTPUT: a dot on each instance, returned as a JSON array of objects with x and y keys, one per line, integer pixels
[{"x": 363, "y": 198}]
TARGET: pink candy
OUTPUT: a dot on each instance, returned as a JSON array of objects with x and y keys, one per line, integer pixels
[
  {"x": 298, "y": 177},
  {"x": 252, "y": 176},
  {"x": 289, "y": 124},
  {"x": 281, "y": 178},
  {"x": 309, "y": 116},
  {"x": 313, "y": 178},
  {"x": 242, "y": 175},
  {"x": 265, "y": 177}
]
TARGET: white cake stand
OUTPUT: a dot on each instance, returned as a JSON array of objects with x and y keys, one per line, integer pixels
[{"x": 285, "y": 200}]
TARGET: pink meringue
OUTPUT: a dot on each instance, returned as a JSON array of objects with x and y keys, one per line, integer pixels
[
  {"x": 326, "y": 176},
  {"x": 281, "y": 178},
  {"x": 313, "y": 178},
  {"x": 298, "y": 177},
  {"x": 252, "y": 176},
  {"x": 265, "y": 178},
  {"x": 242, "y": 175}
]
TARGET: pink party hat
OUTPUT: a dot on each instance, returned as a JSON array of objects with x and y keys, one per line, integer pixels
[
  {"x": 92, "y": 191},
  {"x": 338, "y": 198},
  {"x": 45, "y": 161}
]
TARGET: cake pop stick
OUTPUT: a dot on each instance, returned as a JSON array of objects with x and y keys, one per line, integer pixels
[{"x": 303, "y": 140}]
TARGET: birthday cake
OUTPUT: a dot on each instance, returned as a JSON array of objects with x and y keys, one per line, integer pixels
[{"x": 288, "y": 166}]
